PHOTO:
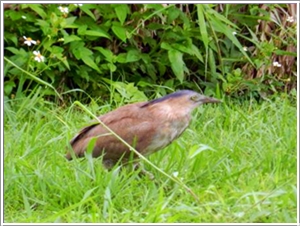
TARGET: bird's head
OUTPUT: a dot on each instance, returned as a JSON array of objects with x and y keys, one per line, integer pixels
[
  {"x": 198, "y": 99},
  {"x": 183, "y": 100}
]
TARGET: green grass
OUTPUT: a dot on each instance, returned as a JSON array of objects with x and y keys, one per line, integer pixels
[{"x": 239, "y": 159}]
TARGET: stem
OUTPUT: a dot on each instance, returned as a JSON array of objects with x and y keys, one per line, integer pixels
[{"x": 34, "y": 77}]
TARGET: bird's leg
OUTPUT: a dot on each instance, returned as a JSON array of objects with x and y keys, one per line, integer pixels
[
  {"x": 108, "y": 163},
  {"x": 136, "y": 166},
  {"x": 143, "y": 172}
]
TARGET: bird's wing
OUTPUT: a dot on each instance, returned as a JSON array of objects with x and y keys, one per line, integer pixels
[
  {"x": 130, "y": 122},
  {"x": 82, "y": 132}
]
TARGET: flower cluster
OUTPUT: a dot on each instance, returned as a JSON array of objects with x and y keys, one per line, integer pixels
[
  {"x": 63, "y": 9},
  {"x": 29, "y": 41},
  {"x": 38, "y": 56},
  {"x": 290, "y": 19},
  {"x": 276, "y": 64}
]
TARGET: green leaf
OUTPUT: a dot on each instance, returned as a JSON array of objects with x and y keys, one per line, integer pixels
[
  {"x": 90, "y": 62},
  {"x": 85, "y": 52},
  {"x": 8, "y": 86},
  {"x": 68, "y": 22},
  {"x": 197, "y": 53},
  {"x": 182, "y": 48},
  {"x": 65, "y": 62},
  {"x": 13, "y": 50},
  {"x": 108, "y": 54},
  {"x": 91, "y": 145},
  {"x": 37, "y": 8},
  {"x": 221, "y": 27},
  {"x": 56, "y": 50},
  {"x": 71, "y": 38},
  {"x": 97, "y": 33},
  {"x": 112, "y": 67},
  {"x": 202, "y": 25},
  {"x": 44, "y": 26},
  {"x": 157, "y": 7},
  {"x": 165, "y": 45},
  {"x": 122, "y": 11},
  {"x": 19, "y": 52},
  {"x": 88, "y": 193},
  {"x": 14, "y": 15},
  {"x": 121, "y": 58},
  {"x": 162, "y": 69},
  {"x": 173, "y": 13},
  {"x": 212, "y": 61},
  {"x": 177, "y": 63},
  {"x": 88, "y": 12},
  {"x": 120, "y": 32},
  {"x": 285, "y": 53},
  {"x": 151, "y": 71},
  {"x": 186, "y": 47},
  {"x": 82, "y": 29},
  {"x": 75, "y": 48},
  {"x": 12, "y": 37},
  {"x": 133, "y": 56},
  {"x": 55, "y": 20},
  {"x": 81, "y": 51},
  {"x": 216, "y": 16},
  {"x": 197, "y": 149},
  {"x": 32, "y": 76}
]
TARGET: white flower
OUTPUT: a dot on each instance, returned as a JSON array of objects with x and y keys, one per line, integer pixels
[
  {"x": 63, "y": 9},
  {"x": 78, "y": 5},
  {"x": 290, "y": 19},
  {"x": 38, "y": 57},
  {"x": 245, "y": 48},
  {"x": 29, "y": 41},
  {"x": 276, "y": 64},
  {"x": 24, "y": 17},
  {"x": 175, "y": 174},
  {"x": 234, "y": 33}
]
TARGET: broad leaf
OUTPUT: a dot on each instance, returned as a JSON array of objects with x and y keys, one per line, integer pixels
[
  {"x": 122, "y": 11},
  {"x": 71, "y": 38},
  {"x": 177, "y": 63},
  {"x": 89, "y": 61},
  {"x": 132, "y": 56},
  {"x": 97, "y": 33},
  {"x": 120, "y": 32}
]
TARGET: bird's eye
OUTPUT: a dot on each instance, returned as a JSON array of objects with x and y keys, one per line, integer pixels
[{"x": 195, "y": 98}]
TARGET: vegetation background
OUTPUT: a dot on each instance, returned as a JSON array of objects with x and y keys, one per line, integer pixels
[{"x": 108, "y": 55}]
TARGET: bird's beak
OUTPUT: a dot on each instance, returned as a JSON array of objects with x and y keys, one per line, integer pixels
[{"x": 210, "y": 100}]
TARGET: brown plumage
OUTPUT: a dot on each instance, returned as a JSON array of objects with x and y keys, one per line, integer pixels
[{"x": 147, "y": 126}]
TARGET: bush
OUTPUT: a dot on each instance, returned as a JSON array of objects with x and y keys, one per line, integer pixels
[{"x": 137, "y": 49}]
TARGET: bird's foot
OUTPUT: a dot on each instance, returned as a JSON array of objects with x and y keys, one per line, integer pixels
[{"x": 143, "y": 172}]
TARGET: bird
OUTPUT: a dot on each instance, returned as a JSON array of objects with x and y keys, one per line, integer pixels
[{"x": 147, "y": 126}]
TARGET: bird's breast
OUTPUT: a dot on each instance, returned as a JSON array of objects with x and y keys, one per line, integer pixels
[{"x": 167, "y": 131}]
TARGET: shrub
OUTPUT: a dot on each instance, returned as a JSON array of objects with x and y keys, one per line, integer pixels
[{"x": 137, "y": 49}]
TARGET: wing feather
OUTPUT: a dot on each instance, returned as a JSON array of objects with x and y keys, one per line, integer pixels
[{"x": 131, "y": 122}]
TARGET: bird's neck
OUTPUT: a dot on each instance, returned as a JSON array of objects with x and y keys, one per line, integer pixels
[{"x": 170, "y": 113}]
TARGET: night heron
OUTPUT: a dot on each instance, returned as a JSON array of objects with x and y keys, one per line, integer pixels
[{"x": 147, "y": 126}]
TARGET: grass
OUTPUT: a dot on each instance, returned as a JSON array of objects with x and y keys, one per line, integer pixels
[{"x": 239, "y": 159}]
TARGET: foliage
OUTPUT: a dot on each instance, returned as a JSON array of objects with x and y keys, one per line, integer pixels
[
  {"x": 138, "y": 49},
  {"x": 240, "y": 159},
  {"x": 113, "y": 54}
]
